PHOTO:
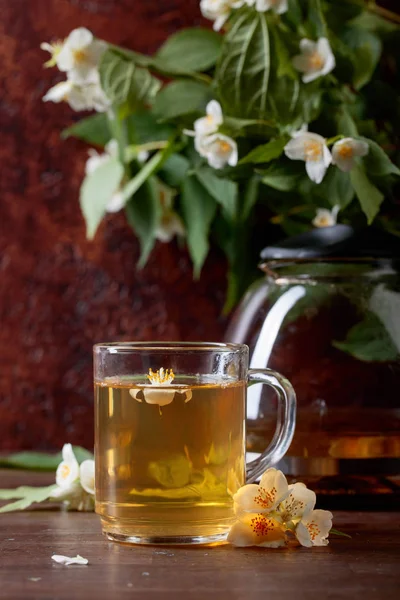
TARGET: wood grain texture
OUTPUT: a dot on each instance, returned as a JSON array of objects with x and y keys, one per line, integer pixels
[
  {"x": 366, "y": 567},
  {"x": 59, "y": 293}
]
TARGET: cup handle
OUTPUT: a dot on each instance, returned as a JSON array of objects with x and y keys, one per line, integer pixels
[{"x": 285, "y": 422}]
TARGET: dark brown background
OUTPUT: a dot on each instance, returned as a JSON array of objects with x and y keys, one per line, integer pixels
[{"x": 59, "y": 293}]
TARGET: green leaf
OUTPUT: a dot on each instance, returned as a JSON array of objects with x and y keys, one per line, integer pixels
[
  {"x": 124, "y": 82},
  {"x": 267, "y": 152},
  {"x": 375, "y": 23},
  {"x": 94, "y": 130},
  {"x": 282, "y": 56},
  {"x": 369, "y": 196},
  {"x": 224, "y": 191},
  {"x": 367, "y": 50},
  {"x": 340, "y": 533},
  {"x": 149, "y": 169},
  {"x": 250, "y": 197},
  {"x": 96, "y": 192},
  {"x": 248, "y": 127},
  {"x": 345, "y": 123},
  {"x": 143, "y": 127},
  {"x": 316, "y": 18},
  {"x": 369, "y": 341},
  {"x": 244, "y": 66},
  {"x": 143, "y": 212},
  {"x": 336, "y": 188},
  {"x": 194, "y": 49},
  {"x": 198, "y": 208},
  {"x": 279, "y": 178},
  {"x": 172, "y": 472},
  {"x": 181, "y": 98},
  {"x": 376, "y": 162},
  {"x": 174, "y": 170},
  {"x": 40, "y": 461},
  {"x": 27, "y": 496}
]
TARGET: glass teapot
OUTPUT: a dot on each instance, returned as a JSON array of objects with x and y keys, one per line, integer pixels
[{"x": 331, "y": 325}]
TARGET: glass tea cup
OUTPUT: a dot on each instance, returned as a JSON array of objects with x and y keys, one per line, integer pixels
[{"x": 170, "y": 438}]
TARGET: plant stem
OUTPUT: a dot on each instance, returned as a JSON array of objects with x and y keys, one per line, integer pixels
[{"x": 382, "y": 12}]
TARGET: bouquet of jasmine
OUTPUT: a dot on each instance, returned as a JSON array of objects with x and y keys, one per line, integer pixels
[{"x": 282, "y": 113}]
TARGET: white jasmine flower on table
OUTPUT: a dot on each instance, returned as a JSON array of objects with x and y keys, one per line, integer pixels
[
  {"x": 325, "y": 217},
  {"x": 160, "y": 391},
  {"x": 219, "y": 150},
  {"x": 278, "y": 6},
  {"x": 79, "y": 97},
  {"x": 68, "y": 470},
  {"x": 314, "y": 529},
  {"x": 96, "y": 160},
  {"x": 219, "y": 10},
  {"x": 316, "y": 59},
  {"x": 262, "y": 498},
  {"x": 86, "y": 473},
  {"x": 344, "y": 153},
  {"x": 273, "y": 513},
  {"x": 210, "y": 123},
  {"x": 66, "y": 560},
  {"x": 79, "y": 55},
  {"x": 311, "y": 148},
  {"x": 257, "y": 530},
  {"x": 75, "y": 485}
]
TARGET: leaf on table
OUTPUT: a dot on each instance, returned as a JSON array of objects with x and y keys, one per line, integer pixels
[
  {"x": 339, "y": 533},
  {"x": 26, "y": 496},
  {"x": 40, "y": 461}
]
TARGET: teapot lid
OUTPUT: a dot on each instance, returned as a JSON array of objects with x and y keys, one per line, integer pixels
[{"x": 335, "y": 241}]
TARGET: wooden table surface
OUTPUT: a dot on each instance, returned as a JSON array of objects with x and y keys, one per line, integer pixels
[{"x": 366, "y": 567}]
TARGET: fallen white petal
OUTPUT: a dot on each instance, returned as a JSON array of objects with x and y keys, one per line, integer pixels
[{"x": 67, "y": 560}]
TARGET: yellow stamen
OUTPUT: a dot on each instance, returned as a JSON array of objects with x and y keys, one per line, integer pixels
[
  {"x": 225, "y": 147},
  {"x": 345, "y": 151},
  {"x": 80, "y": 56},
  {"x": 56, "y": 48},
  {"x": 313, "y": 150},
  {"x": 161, "y": 377},
  {"x": 65, "y": 471},
  {"x": 324, "y": 222},
  {"x": 316, "y": 61}
]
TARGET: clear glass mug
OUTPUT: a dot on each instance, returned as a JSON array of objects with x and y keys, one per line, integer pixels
[{"x": 170, "y": 438}]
